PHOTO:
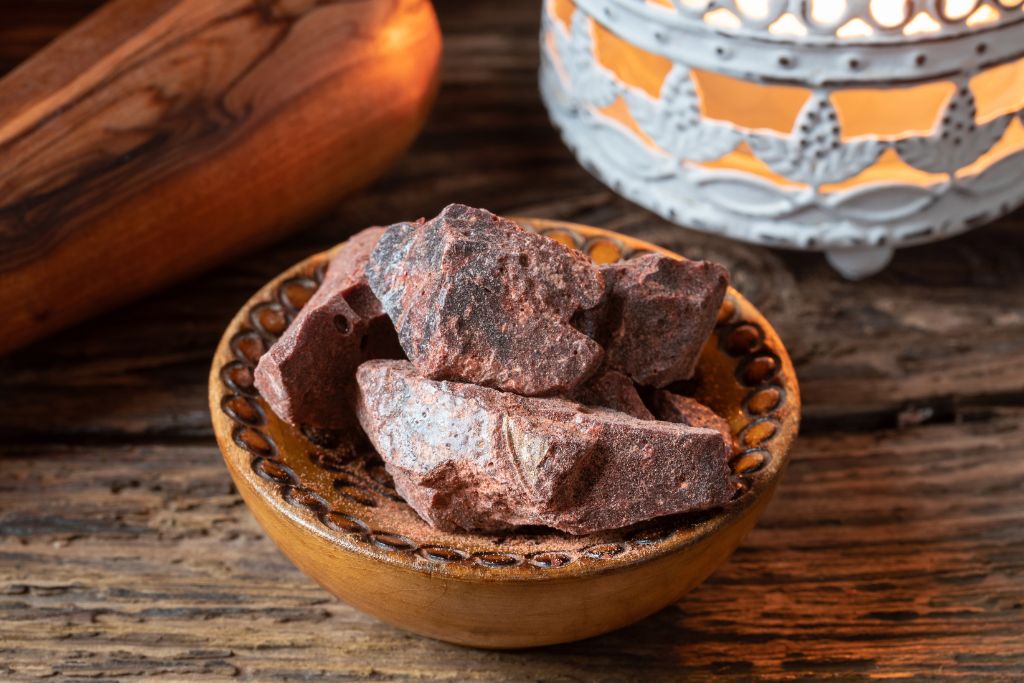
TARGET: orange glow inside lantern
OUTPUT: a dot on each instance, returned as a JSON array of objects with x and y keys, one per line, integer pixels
[
  {"x": 816, "y": 103},
  {"x": 886, "y": 113}
]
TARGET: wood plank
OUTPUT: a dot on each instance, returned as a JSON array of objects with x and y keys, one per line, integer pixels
[
  {"x": 884, "y": 555},
  {"x": 158, "y": 137},
  {"x": 25, "y": 27}
]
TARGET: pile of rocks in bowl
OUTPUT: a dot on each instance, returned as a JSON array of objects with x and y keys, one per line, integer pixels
[{"x": 506, "y": 380}]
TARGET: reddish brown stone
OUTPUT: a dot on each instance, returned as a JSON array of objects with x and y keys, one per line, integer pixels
[
  {"x": 656, "y": 316},
  {"x": 612, "y": 389},
  {"x": 689, "y": 411},
  {"x": 467, "y": 457},
  {"x": 476, "y": 298},
  {"x": 308, "y": 376}
]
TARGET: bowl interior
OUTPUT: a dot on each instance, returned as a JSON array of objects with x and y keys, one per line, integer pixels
[{"x": 345, "y": 494}]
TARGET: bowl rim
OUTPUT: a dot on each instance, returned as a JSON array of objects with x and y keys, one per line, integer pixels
[{"x": 585, "y": 237}]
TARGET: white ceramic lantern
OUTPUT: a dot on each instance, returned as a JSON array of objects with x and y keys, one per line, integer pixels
[{"x": 848, "y": 126}]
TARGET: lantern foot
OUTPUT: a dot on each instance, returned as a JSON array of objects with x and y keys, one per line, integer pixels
[{"x": 859, "y": 263}]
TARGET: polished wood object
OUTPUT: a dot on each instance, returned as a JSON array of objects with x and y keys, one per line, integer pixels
[
  {"x": 158, "y": 137},
  {"x": 335, "y": 513}
]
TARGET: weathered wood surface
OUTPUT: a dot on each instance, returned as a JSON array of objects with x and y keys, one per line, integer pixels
[
  {"x": 895, "y": 547},
  {"x": 157, "y": 138}
]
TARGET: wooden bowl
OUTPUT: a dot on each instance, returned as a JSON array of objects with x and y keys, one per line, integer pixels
[{"x": 335, "y": 514}]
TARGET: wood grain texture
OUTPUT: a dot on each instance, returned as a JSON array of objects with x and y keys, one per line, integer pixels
[
  {"x": 893, "y": 549},
  {"x": 160, "y": 136}
]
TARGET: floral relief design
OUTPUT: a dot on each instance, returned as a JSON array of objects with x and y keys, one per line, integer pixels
[
  {"x": 662, "y": 161},
  {"x": 674, "y": 120},
  {"x": 814, "y": 153},
  {"x": 958, "y": 140},
  {"x": 576, "y": 52}
]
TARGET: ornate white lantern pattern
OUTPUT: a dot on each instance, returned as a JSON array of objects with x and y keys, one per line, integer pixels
[{"x": 848, "y": 126}]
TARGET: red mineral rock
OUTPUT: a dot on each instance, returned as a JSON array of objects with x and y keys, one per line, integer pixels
[
  {"x": 476, "y": 298},
  {"x": 656, "y": 315},
  {"x": 467, "y": 457},
  {"x": 308, "y": 376},
  {"x": 688, "y": 411},
  {"x": 612, "y": 389}
]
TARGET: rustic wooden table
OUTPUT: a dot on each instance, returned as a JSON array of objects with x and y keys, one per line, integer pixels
[{"x": 894, "y": 549}]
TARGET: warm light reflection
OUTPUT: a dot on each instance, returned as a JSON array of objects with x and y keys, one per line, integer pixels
[
  {"x": 889, "y": 13},
  {"x": 958, "y": 9},
  {"x": 552, "y": 46},
  {"x": 855, "y": 28},
  {"x": 889, "y": 169},
  {"x": 890, "y": 113},
  {"x": 827, "y": 12},
  {"x": 722, "y": 18},
  {"x": 629, "y": 63},
  {"x": 755, "y": 9},
  {"x": 983, "y": 15},
  {"x": 689, "y": 4},
  {"x": 921, "y": 24},
  {"x": 1011, "y": 143},
  {"x": 562, "y": 10},
  {"x": 747, "y": 104},
  {"x": 999, "y": 90},
  {"x": 619, "y": 111},
  {"x": 788, "y": 25},
  {"x": 743, "y": 159}
]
